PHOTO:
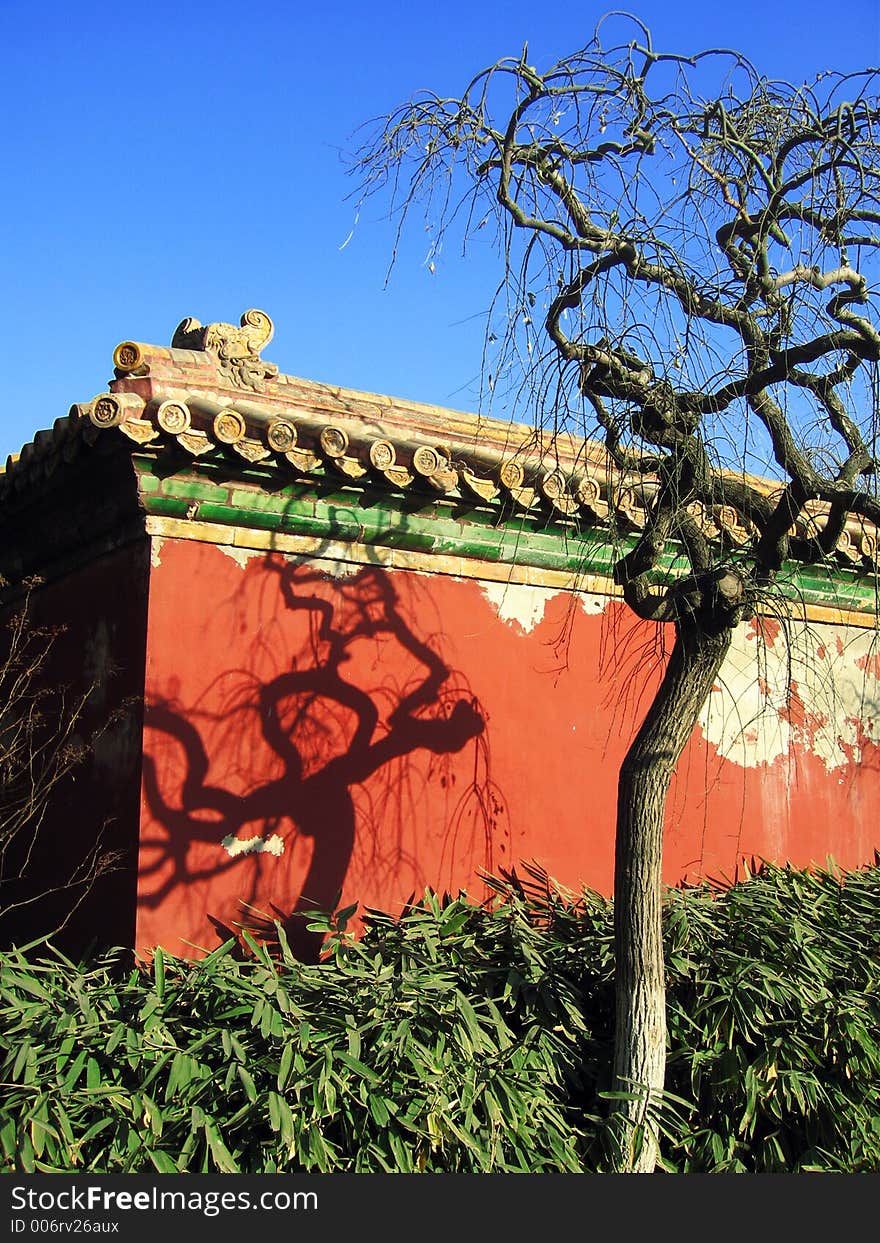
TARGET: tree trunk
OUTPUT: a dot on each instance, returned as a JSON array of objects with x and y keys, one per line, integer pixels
[{"x": 640, "y": 1030}]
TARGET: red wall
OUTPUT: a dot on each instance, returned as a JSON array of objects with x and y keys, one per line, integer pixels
[{"x": 393, "y": 731}]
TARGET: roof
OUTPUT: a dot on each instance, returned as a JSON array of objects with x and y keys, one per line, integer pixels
[
  {"x": 211, "y": 396},
  {"x": 211, "y": 389}
]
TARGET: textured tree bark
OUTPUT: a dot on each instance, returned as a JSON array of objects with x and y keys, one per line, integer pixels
[{"x": 640, "y": 1029}]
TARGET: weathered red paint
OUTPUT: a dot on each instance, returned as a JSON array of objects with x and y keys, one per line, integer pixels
[{"x": 394, "y": 732}]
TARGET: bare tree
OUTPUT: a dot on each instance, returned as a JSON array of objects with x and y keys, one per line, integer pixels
[
  {"x": 698, "y": 241},
  {"x": 43, "y": 741}
]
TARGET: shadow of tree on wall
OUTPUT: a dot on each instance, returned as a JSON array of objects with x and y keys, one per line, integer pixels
[{"x": 328, "y": 721}]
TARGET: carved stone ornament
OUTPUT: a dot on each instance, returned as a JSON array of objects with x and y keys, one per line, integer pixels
[
  {"x": 303, "y": 460},
  {"x": 587, "y": 491},
  {"x": 428, "y": 461},
  {"x": 128, "y": 356},
  {"x": 349, "y": 466},
  {"x": 726, "y": 517},
  {"x": 524, "y": 498},
  {"x": 846, "y": 547},
  {"x": 237, "y": 350},
  {"x": 862, "y": 540},
  {"x": 250, "y": 449},
  {"x": 553, "y": 485},
  {"x": 703, "y": 519},
  {"x": 483, "y": 488},
  {"x": 589, "y": 495},
  {"x": 732, "y": 524},
  {"x": 141, "y": 431},
  {"x": 555, "y": 489},
  {"x": 195, "y": 442},
  {"x": 281, "y": 436},
  {"x": 512, "y": 475},
  {"x": 334, "y": 441},
  {"x": 398, "y": 476},
  {"x": 173, "y": 417},
  {"x": 628, "y": 507},
  {"x": 382, "y": 454},
  {"x": 112, "y": 409},
  {"x": 444, "y": 480},
  {"x": 229, "y": 426},
  {"x": 107, "y": 411}
]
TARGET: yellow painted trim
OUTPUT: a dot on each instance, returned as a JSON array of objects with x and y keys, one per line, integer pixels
[{"x": 319, "y": 550}]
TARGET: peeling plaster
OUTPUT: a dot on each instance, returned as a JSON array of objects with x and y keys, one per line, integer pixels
[
  {"x": 337, "y": 561},
  {"x": 525, "y": 605},
  {"x": 519, "y": 604},
  {"x": 592, "y": 603},
  {"x": 331, "y": 567},
  {"x": 234, "y": 846},
  {"x": 814, "y": 688},
  {"x": 241, "y": 556},
  {"x": 156, "y": 542}
]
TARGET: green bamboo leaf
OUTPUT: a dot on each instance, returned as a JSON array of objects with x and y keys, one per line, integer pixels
[
  {"x": 115, "y": 1038},
  {"x": 402, "y": 1154},
  {"x": 162, "y": 1162},
  {"x": 8, "y": 1137},
  {"x": 223, "y": 1158},
  {"x": 247, "y": 1082},
  {"x": 342, "y": 917},
  {"x": 63, "y": 1124},
  {"x": 75, "y": 1071},
  {"x": 216, "y": 956},
  {"x": 357, "y": 1066},
  {"x": 288, "y": 1128},
  {"x": 26, "y": 1154},
  {"x": 63, "y": 1056},
  {"x": 285, "y": 1067},
  {"x": 21, "y": 1061},
  {"x": 159, "y": 973},
  {"x": 274, "y": 1112},
  {"x": 41, "y": 1131},
  {"x": 378, "y": 1110},
  {"x": 94, "y": 1130},
  {"x": 28, "y": 984}
]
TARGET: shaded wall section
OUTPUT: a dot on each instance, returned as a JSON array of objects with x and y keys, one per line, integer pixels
[
  {"x": 320, "y": 731},
  {"x": 94, "y": 668}
]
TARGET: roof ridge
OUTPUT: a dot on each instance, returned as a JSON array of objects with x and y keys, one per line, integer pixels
[{"x": 210, "y": 391}]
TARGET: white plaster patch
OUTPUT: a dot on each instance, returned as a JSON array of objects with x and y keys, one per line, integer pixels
[
  {"x": 156, "y": 542},
  {"x": 241, "y": 556},
  {"x": 517, "y": 603},
  {"x": 592, "y": 603},
  {"x": 746, "y": 713},
  {"x": 330, "y": 567},
  {"x": 234, "y": 846},
  {"x": 815, "y": 689}
]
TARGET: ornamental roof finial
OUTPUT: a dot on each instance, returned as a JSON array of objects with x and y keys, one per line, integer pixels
[{"x": 237, "y": 350}]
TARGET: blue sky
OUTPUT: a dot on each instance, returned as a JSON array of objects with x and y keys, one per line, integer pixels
[{"x": 167, "y": 160}]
